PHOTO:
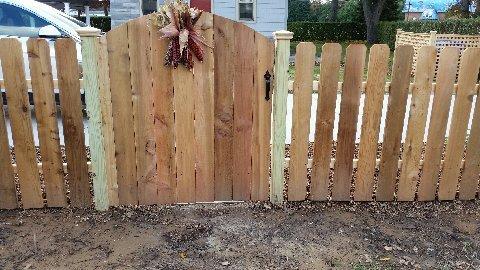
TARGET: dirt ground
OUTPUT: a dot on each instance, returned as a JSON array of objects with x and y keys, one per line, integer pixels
[{"x": 245, "y": 236}]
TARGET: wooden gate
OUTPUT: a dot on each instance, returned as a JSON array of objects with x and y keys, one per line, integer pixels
[{"x": 190, "y": 136}]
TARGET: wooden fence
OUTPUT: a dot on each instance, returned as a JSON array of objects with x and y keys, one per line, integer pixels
[
  {"x": 440, "y": 41},
  {"x": 160, "y": 136}
]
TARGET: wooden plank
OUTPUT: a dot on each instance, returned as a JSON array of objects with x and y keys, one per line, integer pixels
[
  {"x": 470, "y": 175},
  {"x": 107, "y": 124},
  {"x": 302, "y": 103},
  {"x": 72, "y": 116},
  {"x": 327, "y": 95},
  {"x": 19, "y": 111},
  {"x": 224, "y": 44},
  {"x": 347, "y": 127},
  {"x": 438, "y": 125},
  {"x": 282, "y": 55},
  {"x": 184, "y": 103},
  {"x": 164, "y": 120},
  {"x": 142, "y": 94},
  {"x": 421, "y": 91},
  {"x": 8, "y": 196},
  {"x": 90, "y": 52},
  {"x": 467, "y": 78},
  {"x": 262, "y": 116},
  {"x": 204, "y": 115},
  {"x": 120, "y": 84},
  {"x": 397, "y": 101},
  {"x": 46, "y": 114},
  {"x": 243, "y": 111},
  {"x": 372, "y": 113}
]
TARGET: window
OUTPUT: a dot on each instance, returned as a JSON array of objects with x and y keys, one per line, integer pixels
[
  {"x": 16, "y": 17},
  {"x": 246, "y": 10},
  {"x": 149, "y": 6}
]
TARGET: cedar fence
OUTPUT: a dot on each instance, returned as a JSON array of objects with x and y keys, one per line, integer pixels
[
  {"x": 440, "y": 41},
  {"x": 163, "y": 136}
]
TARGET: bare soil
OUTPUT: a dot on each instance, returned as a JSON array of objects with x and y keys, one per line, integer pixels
[{"x": 245, "y": 236}]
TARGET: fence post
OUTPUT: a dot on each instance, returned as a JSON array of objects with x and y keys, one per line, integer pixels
[
  {"x": 282, "y": 55},
  {"x": 433, "y": 38},
  {"x": 91, "y": 86}
]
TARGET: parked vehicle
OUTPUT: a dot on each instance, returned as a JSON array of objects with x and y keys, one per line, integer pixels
[{"x": 27, "y": 18}]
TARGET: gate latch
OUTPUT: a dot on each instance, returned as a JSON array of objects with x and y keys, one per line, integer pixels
[{"x": 268, "y": 81}]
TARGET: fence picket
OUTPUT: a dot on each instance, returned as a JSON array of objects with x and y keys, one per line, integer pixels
[
  {"x": 327, "y": 95},
  {"x": 262, "y": 113},
  {"x": 397, "y": 102},
  {"x": 164, "y": 120},
  {"x": 470, "y": 175},
  {"x": 46, "y": 114},
  {"x": 19, "y": 111},
  {"x": 374, "y": 94},
  {"x": 107, "y": 125},
  {"x": 204, "y": 115},
  {"x": 72, "y": 116},
  {"x": 142, "y": 95},
  {"x": 8, "y": 196},
  {"x": 347, "y": 127},
  {"x": 120, "y": 85},
  {"x": 243, "y": 111},
  {"x": 302, "y": 102},
  {"x": 421, "y": 91},
  {"x": 467, "y": 79},
  {"x": 438, "y": 124},
  {"x": 184, "y": 103},
  {"x": 224, "y": 43}
]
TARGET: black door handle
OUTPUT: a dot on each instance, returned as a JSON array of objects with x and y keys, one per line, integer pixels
[{"x": 268, "y": 81}]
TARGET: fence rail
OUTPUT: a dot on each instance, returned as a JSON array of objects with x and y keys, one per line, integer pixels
[{"x": 157, "y": 142}]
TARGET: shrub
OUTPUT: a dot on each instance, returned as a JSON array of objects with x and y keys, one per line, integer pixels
[
  {"x": 101, "y": 22},
  {"x": 327, "y": 31}
]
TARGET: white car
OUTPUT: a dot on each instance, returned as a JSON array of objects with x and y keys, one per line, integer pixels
[{"x": 27, "y": 18}]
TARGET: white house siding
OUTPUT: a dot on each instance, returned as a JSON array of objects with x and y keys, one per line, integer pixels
[
  {"x": 271, "y": 15},
  {"x": 124, "y": 10}
]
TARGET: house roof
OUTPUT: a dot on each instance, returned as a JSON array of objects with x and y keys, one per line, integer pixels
[{"x": 422, "y": 5}]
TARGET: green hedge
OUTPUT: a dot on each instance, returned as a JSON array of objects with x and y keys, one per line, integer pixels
[
  {"x": 338, "y": 32},
  {"x": 327, "y": 31},
  {"x": 101, "y": 22},
  {"x": 388, "y": 30}
]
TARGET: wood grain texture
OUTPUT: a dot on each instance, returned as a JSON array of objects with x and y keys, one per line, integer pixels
[
  {"x": 90, "y": 51},
  {"x": 302, "y": 103},
  {"x": 72, "y": 116},
  {"x": 397, "y": 102},
  {"x": 421, "y": 91},
  {"x": 372, "y": 113},
  {"x": 471, "y": 172},
  {"x": 120, "y": 85},
  {"x": 142, "y": 95},
  {"x": 204, "y": 115},
  {"x": 164, "y": 120},
  {"x": 262, "y": 116},
  {"x": 184, "y": 103},
  {"x": 327, "y": 95},
  {"x": 467, "y": 79},
  {"x": 8, "y": 196},
  {"x": 243, "y": 111},
  {"x": 282, "y": 55},
  {"x": 107, "y": 124},
  {"x": 19, "y": 111},
  {"x": 46, "y": 114},
  {"x": 347, "y": 127},
  {"x": 438, "y": 125},
  {"x": 224, "y": 45}
]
